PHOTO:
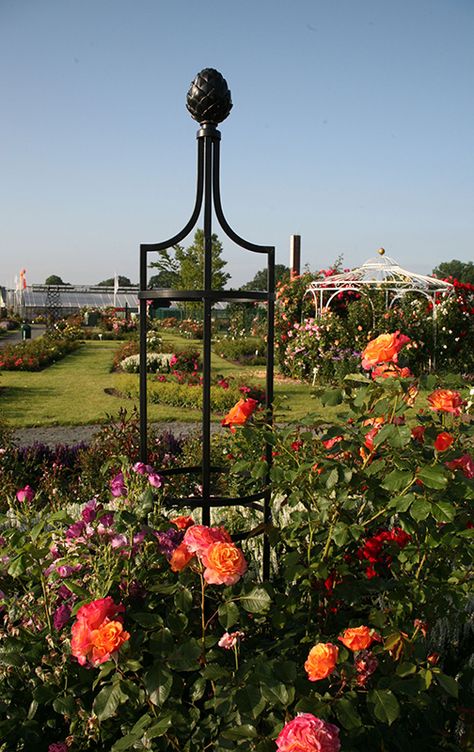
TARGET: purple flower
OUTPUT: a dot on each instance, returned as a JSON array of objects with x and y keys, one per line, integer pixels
[
  {"x": 90, "y": 510},
  {"x": 141, "y": 468},
  {"x": 139, "y": 537},
  {"x": 63, "y": 592},
  {"x": 75, "y": 530},
  {"x": 25, "y": 494},
  {"x": 155, "y": 480},
  {"x": 119, "y": 540},
  {"x": 61, "y": 616},
  {"x": 107, "y": 519},
  {"x": 117, "y": 485},
  {"x": 58, "y": 747},
  {"x": 65, "y": 570},
  {"x": 168, "y": 541}
]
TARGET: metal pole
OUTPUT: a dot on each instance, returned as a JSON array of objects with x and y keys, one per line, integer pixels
[
  {"x": 208, "y": 134},
  {"x": 143, "y": 384}
]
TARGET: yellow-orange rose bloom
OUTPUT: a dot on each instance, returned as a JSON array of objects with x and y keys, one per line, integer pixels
[
  {"x": 446, "y": 400},
  {"x": 359, "y": 638},
  {"x": 383, "y": 349},
  {"x": 224, "y": 564},
  {"x": 321, "y": 661}
]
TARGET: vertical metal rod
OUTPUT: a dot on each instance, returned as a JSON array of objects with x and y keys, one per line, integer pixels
[
  {"x": 207, "y": 324},
  {"x": 143, "y": 384},
  {"x": 269, "y": 403}
]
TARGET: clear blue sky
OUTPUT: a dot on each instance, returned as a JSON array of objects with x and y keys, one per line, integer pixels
[{"x": 352, "y": 126}]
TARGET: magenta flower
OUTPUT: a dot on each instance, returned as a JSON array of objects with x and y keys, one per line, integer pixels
[
  {"x": 75, "y": 530},
  {"x": 155, "y": 480},
  {"x": 58, "y": 747},
  {"x": 141, "y": 468},
  {"x": 306, "y": 733},
  {"x": 25, "y": 494},
  {"x": 91, "y": 510},
  {"x": 117, "y": 485},
  {"x": 61, "y": 616}
]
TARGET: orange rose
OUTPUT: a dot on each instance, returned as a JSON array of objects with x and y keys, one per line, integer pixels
[
  {"x": 107, "y": 640},
  {"x": 443, "y": 441},
  {"x": 359, "y": 638},
  {"x": 98, "y": 611},
  {"x": 390, "y": 370},
  {"x": 383, "y": 349},
  {"x": 225, "y": 564},
  {"x": 198, "y": 538},
  {"x": 240, "y": 413},
  {"x": 96, "y": 634},
  {"x": 182, "y": 523},
  {"x": 321, "y": 661},
  {"x": 446, "y": 400},
  {"x": 180, "y": 557}
]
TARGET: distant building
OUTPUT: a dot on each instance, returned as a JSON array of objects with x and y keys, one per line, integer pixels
[{"x": 37, "y": 300}]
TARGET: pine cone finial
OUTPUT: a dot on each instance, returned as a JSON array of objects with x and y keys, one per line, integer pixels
[{"x": 209, "y": 99}]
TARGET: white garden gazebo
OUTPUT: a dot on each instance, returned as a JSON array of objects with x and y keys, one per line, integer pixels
[{"x": 384, "y": 275}]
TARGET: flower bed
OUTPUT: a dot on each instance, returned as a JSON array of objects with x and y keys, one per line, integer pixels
[
  {"x": 248, "y": 351},
  {"x": 128, "y": 625},
  {"x": 33, "y": 355}
]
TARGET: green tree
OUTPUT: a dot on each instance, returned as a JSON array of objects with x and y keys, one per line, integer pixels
[
  {"x": 185, "y": 269},
  {"x": 123, "y": 282},
  {"x": 460, "y": 270},
  {"x": 259, "y": 282},
  {"x": 53, "y": 279}
]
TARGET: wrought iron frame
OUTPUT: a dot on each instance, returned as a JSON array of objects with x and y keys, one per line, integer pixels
[{"x": 208, "y": 197}]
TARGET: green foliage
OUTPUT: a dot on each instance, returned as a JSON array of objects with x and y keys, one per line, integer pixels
[
  {"x": 259, "y": 282},
  {"x": 184, "y": 268},
  {"x": 370, "y": 528},
  {"x": 460, "y": 270},
  {"x": 53, "y": 279},
  {"x": 110, "y": 282},
  {"x": 244, "y": 350}
]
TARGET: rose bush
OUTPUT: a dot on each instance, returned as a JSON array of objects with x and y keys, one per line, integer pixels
[
  {"x": 126, "y": 624},
  {"x": 303, "y": 344}
]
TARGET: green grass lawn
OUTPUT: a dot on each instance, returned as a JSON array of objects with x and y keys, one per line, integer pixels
[{"x": 72, "y": 391}]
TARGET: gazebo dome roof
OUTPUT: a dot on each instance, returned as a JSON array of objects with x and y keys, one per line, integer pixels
[{"x": 382, "y": 272}]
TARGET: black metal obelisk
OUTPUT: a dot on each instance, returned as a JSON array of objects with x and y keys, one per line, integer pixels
[{"x": 209, "y": 102}]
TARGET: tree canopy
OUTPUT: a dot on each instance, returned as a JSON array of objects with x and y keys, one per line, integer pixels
[
  {"x": 123, "y": 282},
  {"x": 183, "y": 268},
  {"x": 259, "y": 282},
  {"x": 53, "y": 279},
  {"x": 463, "y": 271}
]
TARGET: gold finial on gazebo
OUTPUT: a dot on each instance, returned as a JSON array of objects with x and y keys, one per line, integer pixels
[{"x": 381, "y": 251}]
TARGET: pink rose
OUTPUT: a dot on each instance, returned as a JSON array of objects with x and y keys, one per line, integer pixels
[
  {"x": 306, "y": 733},
  {"x": 198, "y": 538},
  {"x": 25, "y": 494}
]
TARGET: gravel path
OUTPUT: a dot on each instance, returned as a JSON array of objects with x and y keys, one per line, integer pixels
[{"x": 52, "y": 435}]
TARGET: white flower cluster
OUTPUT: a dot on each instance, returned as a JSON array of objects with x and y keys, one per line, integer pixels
[{"x": 155, "y": 363}]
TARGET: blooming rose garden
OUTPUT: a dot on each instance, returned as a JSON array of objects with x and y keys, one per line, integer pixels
[{"x": 127, "y": 624}]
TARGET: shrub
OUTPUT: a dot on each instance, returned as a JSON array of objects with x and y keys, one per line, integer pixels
[
  {"x": 126, "y": 625},
  {"x": 245, "y": 351}
]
